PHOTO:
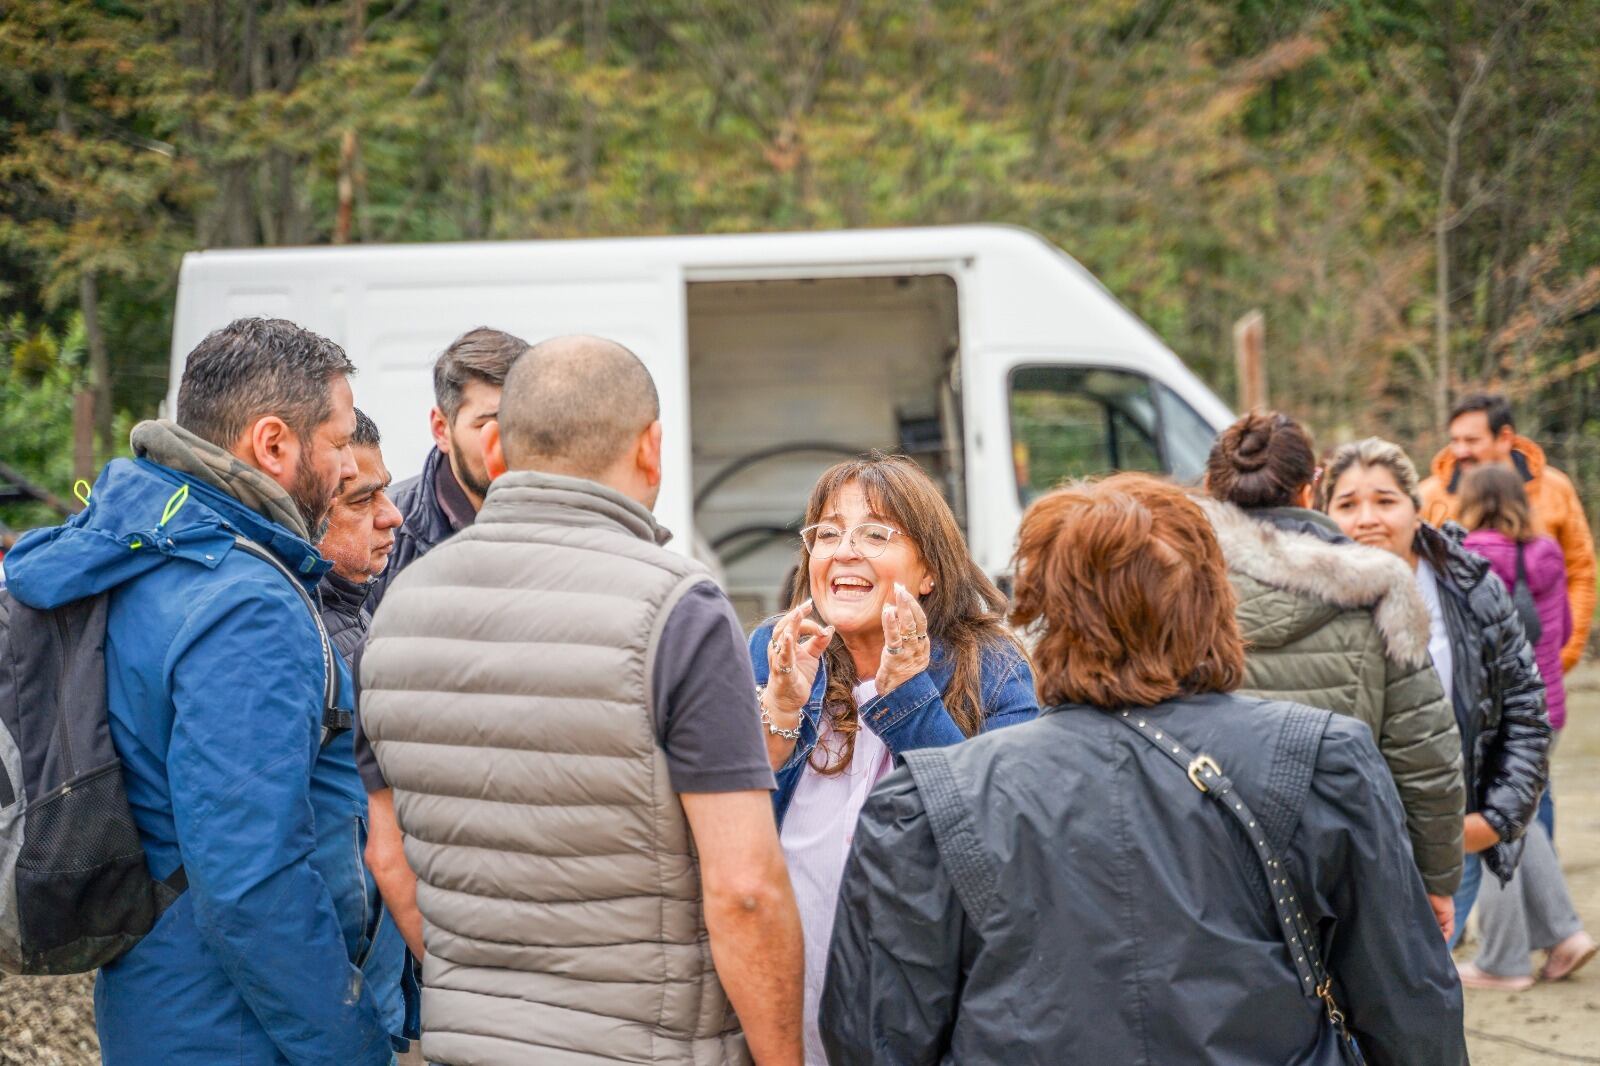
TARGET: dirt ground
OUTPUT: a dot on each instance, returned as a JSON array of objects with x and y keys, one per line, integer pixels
[
  {"x": 1560, "y": 1022},
  {"x": 50, "y": 1021}
]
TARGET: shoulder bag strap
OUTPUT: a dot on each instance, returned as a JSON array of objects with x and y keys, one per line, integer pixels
[
  {"x": 335, "y": 720},
  {"x": 965, "y": 862},
  {"x": 1298, "y": 936}
]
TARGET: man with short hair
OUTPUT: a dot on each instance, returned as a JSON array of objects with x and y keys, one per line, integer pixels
[
  {"x": 215, "y": 678},
  {"x": 564, "y": 711},
  {"x": 442, "y": 500},
  {"x": 1482, "y": 431},
  {"x": 446, "y": 496},
  {"x": 358, "y": 542}
]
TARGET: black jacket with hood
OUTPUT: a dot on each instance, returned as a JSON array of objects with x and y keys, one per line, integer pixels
[
  {"x": 1129, "y": 921},
  {"x": 1496, "y": 691}
]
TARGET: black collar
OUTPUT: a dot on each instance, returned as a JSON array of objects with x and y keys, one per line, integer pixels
[{"x": 343, "y": 596}]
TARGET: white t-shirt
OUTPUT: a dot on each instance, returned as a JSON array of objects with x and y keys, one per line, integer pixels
[
  {"x": 817, "y": 832},
  {"x": 1438, "y": 635}
]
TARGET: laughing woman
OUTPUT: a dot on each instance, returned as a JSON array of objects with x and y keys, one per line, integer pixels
[{"x": 894, "y": 642}]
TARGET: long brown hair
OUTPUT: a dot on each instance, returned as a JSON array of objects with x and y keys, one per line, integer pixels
[
  {"x": 1493, "y": 497},
  {"x": 1127, "y": 589},
  {"x": 964, "y": 608}
]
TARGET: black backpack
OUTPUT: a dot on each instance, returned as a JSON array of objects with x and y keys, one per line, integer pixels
[
  {"x": 1522, "y": 598},
  {"x": 75, "y": 892}
]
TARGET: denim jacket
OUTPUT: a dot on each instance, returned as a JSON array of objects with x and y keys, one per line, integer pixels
[{"x": 912, "y": 716}]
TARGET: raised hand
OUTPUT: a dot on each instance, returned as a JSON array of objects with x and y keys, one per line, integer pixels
[
  {"x": 906, "y": 648},
  {"x": 794, "y": 655}
]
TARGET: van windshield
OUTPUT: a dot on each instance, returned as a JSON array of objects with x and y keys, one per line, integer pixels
[{"x": 1074, "y": 421}]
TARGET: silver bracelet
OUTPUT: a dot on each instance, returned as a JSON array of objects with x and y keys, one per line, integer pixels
[{"x": 766, "y": 719}]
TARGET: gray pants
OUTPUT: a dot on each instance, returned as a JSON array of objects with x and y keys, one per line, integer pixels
[{"x": 1531, "y": 912}]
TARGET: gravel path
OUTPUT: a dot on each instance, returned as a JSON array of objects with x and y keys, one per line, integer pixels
[{"x": 48, "y": 1021}]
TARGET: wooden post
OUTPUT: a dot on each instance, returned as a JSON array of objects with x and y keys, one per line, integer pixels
[{"x": 1250, "y": 359}]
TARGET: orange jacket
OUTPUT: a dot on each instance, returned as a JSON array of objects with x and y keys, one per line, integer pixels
[{"x": 1559, "y": 513}]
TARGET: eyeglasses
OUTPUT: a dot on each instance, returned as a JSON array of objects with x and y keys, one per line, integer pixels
[{"x": 824, "y": 539}]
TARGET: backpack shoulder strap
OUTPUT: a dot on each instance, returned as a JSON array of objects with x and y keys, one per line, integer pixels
[
  {"x": 966, "y": 863},
  {"x": 335, "y": 719}
]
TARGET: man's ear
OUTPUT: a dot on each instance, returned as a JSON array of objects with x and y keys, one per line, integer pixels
[
  {"x": 494, "y": 454},
  {"x": 647, "y": 456},
  {"x": 439, "y": 426},
  {"x": 271, "y": 447}
]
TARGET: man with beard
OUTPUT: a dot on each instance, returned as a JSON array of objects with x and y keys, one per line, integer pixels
[
  {"x": 442, "y": 500},
  {"x": 242, "y": 783},
  {"x": 1482, "y": 432},
  {"x": 445, "y": 497}
]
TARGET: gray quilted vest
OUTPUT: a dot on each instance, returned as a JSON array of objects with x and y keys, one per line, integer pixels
[{"x": 506, "y": 691}]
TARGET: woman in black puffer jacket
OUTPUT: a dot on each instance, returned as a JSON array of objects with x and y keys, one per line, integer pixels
[{"x": 1483, "y": 657}]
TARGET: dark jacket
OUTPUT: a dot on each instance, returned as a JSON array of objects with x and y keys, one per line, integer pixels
[
  {"x": 344, "y": 614},
  {"x": 1130, "y": 922},
  {"x": 913, "y": 715},
  {"x": 430, "y": 516},
  {"x": 277, "y": 952},
  {"x": 1496, "y": 690}
]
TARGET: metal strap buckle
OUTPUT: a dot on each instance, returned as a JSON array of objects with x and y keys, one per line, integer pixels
[
  {"x": 1325, "y": 993},
  {"x": 1203, "y": 764}
]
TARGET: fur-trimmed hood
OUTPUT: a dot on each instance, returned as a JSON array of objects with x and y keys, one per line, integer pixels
[{"x": 1305, "y": 581}]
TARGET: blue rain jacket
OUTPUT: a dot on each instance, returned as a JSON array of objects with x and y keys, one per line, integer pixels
[
  {"x": 279, "y": 952},
  {"x": 912, "y": 716}
]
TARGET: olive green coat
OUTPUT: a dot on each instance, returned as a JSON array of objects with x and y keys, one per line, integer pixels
[{"x": 1342, "y": 626}]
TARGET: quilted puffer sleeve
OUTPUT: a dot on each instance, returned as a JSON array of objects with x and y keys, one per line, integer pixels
[
  {"x": 1515, "y": 764},
  {"x": 1422, "y": 746}
]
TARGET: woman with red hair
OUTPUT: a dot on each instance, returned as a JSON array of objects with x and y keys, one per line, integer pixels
[{"x": 1155, "y": 870}]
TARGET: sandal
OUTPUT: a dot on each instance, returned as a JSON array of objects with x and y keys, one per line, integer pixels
[
  {"x": 1472, "y": 977},
  {"x": 1569, "y": 956}
]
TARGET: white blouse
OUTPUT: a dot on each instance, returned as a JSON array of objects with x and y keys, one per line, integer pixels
[{"x": 817, "y": 831}]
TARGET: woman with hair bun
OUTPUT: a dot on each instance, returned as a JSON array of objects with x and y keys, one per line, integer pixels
[
  {"x": 1334, "y": 624},
  {"x": 1155, "y": 870}
]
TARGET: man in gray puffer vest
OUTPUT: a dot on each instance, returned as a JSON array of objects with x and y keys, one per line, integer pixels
[{"x": 566, "y": 714}]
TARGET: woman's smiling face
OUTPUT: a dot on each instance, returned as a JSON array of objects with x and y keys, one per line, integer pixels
[{"x": 850, "y": 590}]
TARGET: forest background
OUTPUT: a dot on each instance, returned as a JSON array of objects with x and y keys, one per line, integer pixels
[{"x": 1408, "y": 189}]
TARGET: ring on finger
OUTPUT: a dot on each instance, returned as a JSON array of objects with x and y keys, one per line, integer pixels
[
  {"x": 785, "y": 669},
  {"x": 894, "y": 649}
]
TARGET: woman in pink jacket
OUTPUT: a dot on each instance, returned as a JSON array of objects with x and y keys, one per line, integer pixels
[{"x": 1533, "y": 907}]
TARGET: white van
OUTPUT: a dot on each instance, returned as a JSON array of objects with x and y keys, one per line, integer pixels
[{"x": 993, "y": 358}]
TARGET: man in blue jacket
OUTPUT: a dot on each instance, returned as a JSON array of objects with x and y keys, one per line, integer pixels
[{"x": 278, "y": 951}]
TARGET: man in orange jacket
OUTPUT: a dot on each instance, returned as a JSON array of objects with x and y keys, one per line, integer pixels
[{"x": 1481, "y": 431}]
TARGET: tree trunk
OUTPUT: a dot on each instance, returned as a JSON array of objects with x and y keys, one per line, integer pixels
[{"x": 99, "y": 363}]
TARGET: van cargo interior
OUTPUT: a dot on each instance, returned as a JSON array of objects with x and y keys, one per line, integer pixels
[{"x": 786, "y": 378}]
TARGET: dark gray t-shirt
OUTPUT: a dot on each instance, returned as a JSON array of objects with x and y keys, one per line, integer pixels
[{"x": 705, "y": 702}]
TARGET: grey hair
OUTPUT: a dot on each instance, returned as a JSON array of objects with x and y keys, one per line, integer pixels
[
  {"x": 481, "y": 354},
  {"x": 366, "y": 434},
  {"x": 254, "y": 367},
  {"x": 1373, "y": 451},
  {"x": 572, "y": 405}
]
